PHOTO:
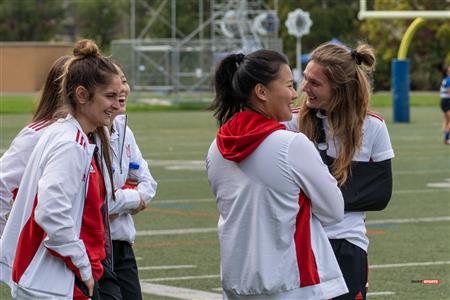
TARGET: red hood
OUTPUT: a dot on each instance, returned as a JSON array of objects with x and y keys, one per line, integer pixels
[{"x": 243, "y": 133}]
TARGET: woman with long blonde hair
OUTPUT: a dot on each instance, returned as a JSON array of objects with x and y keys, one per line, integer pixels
[{"x": 353, "y": 142}]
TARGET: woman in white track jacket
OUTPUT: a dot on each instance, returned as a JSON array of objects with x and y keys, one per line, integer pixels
[
  {"x": 135, "y": 188},
  {"x": 354, "y": 142},
  {"x": 41, "y": 246},
  {"x": 272, "y": 190},
  {"x": 15, "y": 159}
]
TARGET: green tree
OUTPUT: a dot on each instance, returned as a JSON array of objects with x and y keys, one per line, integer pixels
[
  {"x": 100, "y": 20},
  {"x": 30, "y": 20},
  {"x": 428, "y": 51},
  {"x": 331, "y": 19}
]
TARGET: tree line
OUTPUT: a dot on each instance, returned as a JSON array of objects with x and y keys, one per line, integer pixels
[{"x": 106, "y": 20}]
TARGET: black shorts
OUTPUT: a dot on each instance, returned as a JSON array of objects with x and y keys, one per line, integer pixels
[
  {"x": 353, "y": 263},
  {"x": 445, "y": 104}
]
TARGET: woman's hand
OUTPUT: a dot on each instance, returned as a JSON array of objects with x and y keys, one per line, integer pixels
[
  {"x": 90, "y": 285},
  {"x": 141, "y": 206}
]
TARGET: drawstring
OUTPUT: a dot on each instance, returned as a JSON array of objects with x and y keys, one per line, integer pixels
[{"x": 123, "y": 143}]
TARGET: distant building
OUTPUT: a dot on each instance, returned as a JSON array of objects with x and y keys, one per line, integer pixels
[{"x": 24, "y": 65}]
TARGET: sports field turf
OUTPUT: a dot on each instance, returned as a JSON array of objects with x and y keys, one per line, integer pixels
[{"x": 177, "y": 245}]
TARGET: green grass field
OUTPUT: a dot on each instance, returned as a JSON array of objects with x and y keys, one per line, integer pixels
[
  {"x": 177, "y": 245},
  {"x": 19, "y": 103}
]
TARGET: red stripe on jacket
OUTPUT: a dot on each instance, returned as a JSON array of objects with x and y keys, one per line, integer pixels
[
  {"x": 30, "y": 238},
  {"x": 305, "y": 256},
  {"x": 377, "y": 116},
  {"x": 42, "y": 126},
  {"x": 92, "y": 231},
  {"x": 38, "y": 125},
  {"x": 77, "y": 138}
]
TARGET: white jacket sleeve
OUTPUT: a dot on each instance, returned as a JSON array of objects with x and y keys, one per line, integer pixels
[
  {"x": 58, "y": 187},
  {"x": 382, "y": 148},
  {"x": 12, "y": 166},
  {"x": 128, "y": 199},
  {"x": 327, "y": 203}
]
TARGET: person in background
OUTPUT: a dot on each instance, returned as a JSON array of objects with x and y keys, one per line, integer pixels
[
  {"x": 272, "y": 190},
  {"x": 353, "y": 141},
  {"x": 15, "y": 159},
  {"x": 135, "y": 187},
  {"x": 56, "y": 238},
  {"x": 445, "y": 106}
]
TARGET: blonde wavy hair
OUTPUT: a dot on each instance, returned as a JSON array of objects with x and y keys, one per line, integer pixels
[{"x": 348, "y": 72}]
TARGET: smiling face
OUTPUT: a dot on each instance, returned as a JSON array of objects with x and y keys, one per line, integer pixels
[
  {"x": 99, "y": 109},
  {"x": 316, "y": 86},
  {"x": 279, "y": 95},
  {"x": 124, "y": 92}
]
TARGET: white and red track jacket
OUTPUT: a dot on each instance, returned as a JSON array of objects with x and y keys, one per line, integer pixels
[
  {"x": 44, "y": 224},
  {"x": 123, "y": 151},
  {"x": 13, "y": 163},
  {"x": 273, "y": 194}
]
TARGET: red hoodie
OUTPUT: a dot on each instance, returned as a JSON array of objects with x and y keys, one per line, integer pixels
[{"x": 243, "y": 133}]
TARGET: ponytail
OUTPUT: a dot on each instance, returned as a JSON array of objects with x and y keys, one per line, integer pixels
[
  {"x": 225, "y": 104},
  {"x": 237, "y": 75}
]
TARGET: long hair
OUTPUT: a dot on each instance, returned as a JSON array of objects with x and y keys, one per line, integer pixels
[
  {"x": 50, "y": 100},
  {"x": 348, "y": 73},
  {"x": 237, "y": 75},
  {"x": 90, "y": 69}
]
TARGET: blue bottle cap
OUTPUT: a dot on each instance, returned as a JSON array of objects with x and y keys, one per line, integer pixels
[{"x": 134, "y": 166}]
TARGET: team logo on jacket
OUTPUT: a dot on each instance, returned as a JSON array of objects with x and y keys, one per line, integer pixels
[
  {"x": 91, "y": 169},
  {"x": 128, "y": 149}
]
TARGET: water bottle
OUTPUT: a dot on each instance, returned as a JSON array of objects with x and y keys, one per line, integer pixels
[{"x": 133, "y": 174}]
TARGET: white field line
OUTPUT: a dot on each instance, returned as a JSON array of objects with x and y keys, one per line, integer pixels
[
  {"x": 167, "y": 267},
  {"x": 368, "y": 294},
  {"x": 380, "y": 294},
  {"x": 182, "y": 179},
  {"x": 409, "y": 221},
  {"x": 412, "y": 264},
  {"x": 185, "y": 201},
  {"x": 200, "y": 165},
  {"x": 177, "y": 293},
  {"x": 175, "y": 231},
  {"x": 442, "y": 184},
  {"x": 416, "y": 158},
  {"x": 413, "y": 172},
  {"x": 177, "y": 153},
  {"x": 421, "y": 191},
  {"x": 214, "y": 229},
  {"x": 180, "y": 278},
  {"x": 179, "y": 164}
]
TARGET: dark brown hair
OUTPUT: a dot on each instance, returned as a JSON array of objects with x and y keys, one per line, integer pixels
[{"x": 90, "y": 69}]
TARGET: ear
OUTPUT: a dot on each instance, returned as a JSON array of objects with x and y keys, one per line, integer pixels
[
  {"x": 261, "y": 92},
  {"x": 82, "y": 94}
]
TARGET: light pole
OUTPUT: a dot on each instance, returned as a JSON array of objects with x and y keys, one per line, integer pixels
[{"x": 298, "y": 24}]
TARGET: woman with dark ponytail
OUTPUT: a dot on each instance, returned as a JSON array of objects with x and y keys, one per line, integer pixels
[
  {"x": 354, "y": 142},
  {"x": 272, "y": 202},
  {"x": 57, "y": 233}
]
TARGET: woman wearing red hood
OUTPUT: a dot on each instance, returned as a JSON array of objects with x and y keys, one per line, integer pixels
[{"x": 273, "y": 192}]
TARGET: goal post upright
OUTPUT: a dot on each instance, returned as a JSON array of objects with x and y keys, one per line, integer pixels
[{"x": 400, "y": 82}]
